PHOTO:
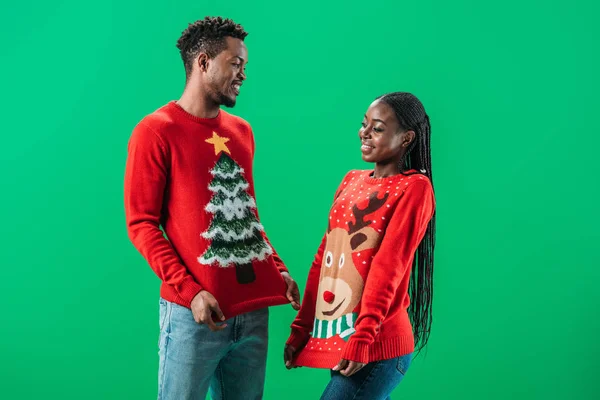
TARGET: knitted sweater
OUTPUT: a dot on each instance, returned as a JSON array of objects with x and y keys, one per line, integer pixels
[
  {"x": 356, "y": 297},
  {"x": 193, "y": 177}
]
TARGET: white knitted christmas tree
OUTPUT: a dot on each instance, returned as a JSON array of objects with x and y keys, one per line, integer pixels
[{"x": 235, "y": 232}]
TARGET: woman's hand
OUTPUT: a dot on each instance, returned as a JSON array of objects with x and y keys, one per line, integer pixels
[
  {"x": 288, "y": 356},
  {"x": 348, "y": 368}
]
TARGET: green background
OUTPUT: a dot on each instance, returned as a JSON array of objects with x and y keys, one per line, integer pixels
[{"x": 512, "y": 91}]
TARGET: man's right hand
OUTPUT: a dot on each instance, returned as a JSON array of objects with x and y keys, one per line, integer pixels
[{"x": 203, "y": 305}]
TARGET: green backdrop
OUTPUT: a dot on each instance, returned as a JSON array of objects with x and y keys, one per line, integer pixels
[{"x": 512, "y": 90}]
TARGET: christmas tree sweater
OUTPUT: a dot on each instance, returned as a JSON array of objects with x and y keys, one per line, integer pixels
[
  {"x": 193, "y": 177},
  {"x": 356, "y": 297}
]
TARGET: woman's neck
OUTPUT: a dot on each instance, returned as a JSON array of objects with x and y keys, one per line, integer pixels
[{"x": 384, "y": 171}]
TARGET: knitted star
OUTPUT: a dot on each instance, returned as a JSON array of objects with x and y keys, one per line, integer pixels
[{"x": 219, "y": 143}]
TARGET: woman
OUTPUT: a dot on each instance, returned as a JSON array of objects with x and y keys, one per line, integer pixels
[{"x": 367, "y": 302}]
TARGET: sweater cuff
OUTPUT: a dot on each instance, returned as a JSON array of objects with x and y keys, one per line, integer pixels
[
  {"x": 297, "y": 339},
  {"x": 189, "y": 290},
  {"x": 356, "y": 351},
  {"x": 281, "y": 268}
]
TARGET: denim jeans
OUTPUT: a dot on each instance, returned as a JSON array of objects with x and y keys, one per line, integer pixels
[
  {"x": 193, "y": 360},
  {"x": 374, "y": 382}
]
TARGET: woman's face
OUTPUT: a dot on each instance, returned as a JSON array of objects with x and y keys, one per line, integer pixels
[{"x": 382, "y": 139}]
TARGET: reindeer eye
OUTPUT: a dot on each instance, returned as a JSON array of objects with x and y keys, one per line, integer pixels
[
  {"x": 328, "y": 259},
  {"x": 342, "y": 259}
]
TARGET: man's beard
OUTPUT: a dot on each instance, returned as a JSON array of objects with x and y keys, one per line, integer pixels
[{"x": 225, "y": 100}]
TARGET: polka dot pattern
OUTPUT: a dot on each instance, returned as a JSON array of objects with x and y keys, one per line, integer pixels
[{"x": 356, "y": 192}]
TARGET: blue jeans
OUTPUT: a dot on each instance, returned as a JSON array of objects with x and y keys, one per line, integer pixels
[
  {"x": 375, "y": 381},
  {"x": 193, "y": 360}
]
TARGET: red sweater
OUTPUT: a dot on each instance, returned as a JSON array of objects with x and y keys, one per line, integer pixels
[
  {"x": 193, "y": 177},
  {"x": 356, "y": 298}
]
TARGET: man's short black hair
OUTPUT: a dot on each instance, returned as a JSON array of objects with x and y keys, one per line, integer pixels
[{"x": 207, "y": 36}]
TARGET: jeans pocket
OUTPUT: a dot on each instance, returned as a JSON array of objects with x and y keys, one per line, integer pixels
[
  {"x": 403, "y": 362},
  {"x": 163, "y": 311}
]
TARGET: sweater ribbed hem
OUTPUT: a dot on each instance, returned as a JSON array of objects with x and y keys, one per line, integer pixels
[
  {"x": 355, "y": 351},
  {"x": 256, "y": 304},
  {"x": 231, "y": 310},
  {"x": 297, "y": 339},
  {"x": 384, "y": 350}
]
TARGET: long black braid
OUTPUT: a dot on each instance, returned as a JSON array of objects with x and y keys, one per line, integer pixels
[{"x": 411, "y": 115}]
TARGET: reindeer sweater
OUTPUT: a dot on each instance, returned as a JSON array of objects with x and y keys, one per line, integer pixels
[
  {"x": 356, "y": 297},
  {"x": 193, "y": 177}
]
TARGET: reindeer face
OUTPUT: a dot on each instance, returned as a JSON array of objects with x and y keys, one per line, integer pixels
[{"x": 341, "y": 285}]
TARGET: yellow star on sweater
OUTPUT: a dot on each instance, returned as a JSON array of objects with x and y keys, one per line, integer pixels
[{"x": 219, "y": 143}]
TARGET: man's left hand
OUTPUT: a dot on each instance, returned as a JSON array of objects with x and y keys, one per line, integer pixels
[{"x": 293, "y": 294}]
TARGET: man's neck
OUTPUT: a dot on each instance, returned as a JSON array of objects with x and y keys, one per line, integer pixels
[{"x": 197, "y": 104}]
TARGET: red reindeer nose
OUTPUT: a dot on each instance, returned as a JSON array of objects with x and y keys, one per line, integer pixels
[{"x": 328, "y": 297}]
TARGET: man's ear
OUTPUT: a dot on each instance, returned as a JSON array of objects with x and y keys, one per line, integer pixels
[{"x": 202, "y": 61}]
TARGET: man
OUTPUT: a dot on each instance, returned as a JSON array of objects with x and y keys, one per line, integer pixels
[{"x": 189, "y": 171}]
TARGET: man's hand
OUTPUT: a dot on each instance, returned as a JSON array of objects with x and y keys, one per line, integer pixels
[
  {"x": 348, "y": 368},
  {"x": 203, "y": 305},
  {"x": 288, "y": 356},
  {"x": 293, "y": 294}
]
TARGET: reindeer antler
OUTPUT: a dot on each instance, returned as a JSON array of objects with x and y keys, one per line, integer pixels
[{"x": 374, "y": 204}]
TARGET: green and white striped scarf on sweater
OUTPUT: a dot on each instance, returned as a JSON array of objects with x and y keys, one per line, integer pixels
[{"x": 343, "y": 326}]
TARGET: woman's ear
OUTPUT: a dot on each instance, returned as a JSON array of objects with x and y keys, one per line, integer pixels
[{"x": 408, "y": 138}]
